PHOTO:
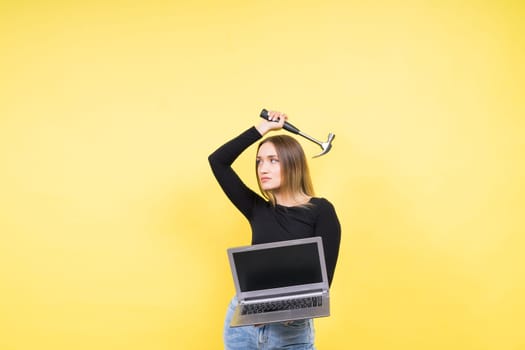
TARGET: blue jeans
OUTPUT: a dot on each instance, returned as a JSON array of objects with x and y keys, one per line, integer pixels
[{"x": 297, "y": 335}]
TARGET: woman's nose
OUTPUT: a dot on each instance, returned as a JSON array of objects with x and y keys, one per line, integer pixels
[{"x": 262, "y": 167}]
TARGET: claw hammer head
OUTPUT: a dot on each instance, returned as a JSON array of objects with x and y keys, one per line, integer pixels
[{"x": 326, "y": 146}]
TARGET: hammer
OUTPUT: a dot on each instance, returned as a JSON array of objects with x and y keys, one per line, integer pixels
[{"x": 326, "y": 146}]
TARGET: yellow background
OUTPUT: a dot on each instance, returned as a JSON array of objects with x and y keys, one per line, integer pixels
[{"x": 113, "y": 231}]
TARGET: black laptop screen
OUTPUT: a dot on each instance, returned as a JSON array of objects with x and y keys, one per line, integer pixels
[{"x": 278, "y": 267}]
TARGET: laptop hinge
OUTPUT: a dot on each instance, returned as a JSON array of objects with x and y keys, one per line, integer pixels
[{"x": 284, "y": 296}]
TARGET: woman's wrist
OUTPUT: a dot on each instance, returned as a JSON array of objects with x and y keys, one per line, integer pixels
[{"x": 262, "y": 129}]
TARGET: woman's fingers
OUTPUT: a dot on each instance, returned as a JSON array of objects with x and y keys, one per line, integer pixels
[
  {"x": 275, "y": 116},
  {"x": 275, "y": 121}
]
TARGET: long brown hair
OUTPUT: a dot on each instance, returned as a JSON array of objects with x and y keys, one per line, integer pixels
[{"x": 295, "y": 174}]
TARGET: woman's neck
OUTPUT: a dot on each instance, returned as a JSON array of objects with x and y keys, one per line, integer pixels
[{"x": 291, "y": 200}]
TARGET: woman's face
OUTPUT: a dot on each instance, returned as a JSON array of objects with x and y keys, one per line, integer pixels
[{"x": 268, "y": 167}]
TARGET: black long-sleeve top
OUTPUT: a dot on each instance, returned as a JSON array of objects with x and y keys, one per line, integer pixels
[{"x": 271, "y": 223}]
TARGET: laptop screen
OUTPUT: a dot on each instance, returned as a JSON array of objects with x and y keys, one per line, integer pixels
[{"x": 278, "y": 267}]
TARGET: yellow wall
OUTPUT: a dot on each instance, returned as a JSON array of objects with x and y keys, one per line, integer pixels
[{"x": 108, "y": 110}]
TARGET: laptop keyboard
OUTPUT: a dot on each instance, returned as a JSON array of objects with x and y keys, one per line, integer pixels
[{"x": 279, "y": 305}]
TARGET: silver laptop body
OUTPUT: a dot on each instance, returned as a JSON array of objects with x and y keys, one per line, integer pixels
[{"x": 279, "y": 281}]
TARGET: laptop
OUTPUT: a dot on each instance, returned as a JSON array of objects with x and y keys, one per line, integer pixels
[{"x": 279, "y": 281}]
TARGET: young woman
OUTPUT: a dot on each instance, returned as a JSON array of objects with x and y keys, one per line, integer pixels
[{"x": 287, "y": 210}]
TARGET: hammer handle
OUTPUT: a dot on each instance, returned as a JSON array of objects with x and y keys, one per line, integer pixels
[{"x": 286, "y": 126}]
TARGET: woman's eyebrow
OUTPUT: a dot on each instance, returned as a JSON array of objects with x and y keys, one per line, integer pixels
[{"x": 267, "y": 156}]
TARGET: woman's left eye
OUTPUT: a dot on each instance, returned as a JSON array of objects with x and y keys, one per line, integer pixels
[{"x": 274, "y": 161}]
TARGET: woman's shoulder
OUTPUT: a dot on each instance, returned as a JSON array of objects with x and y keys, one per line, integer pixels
[
  {"x": 324, "y": 208},
  {"x": 321, "y": 202}
]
